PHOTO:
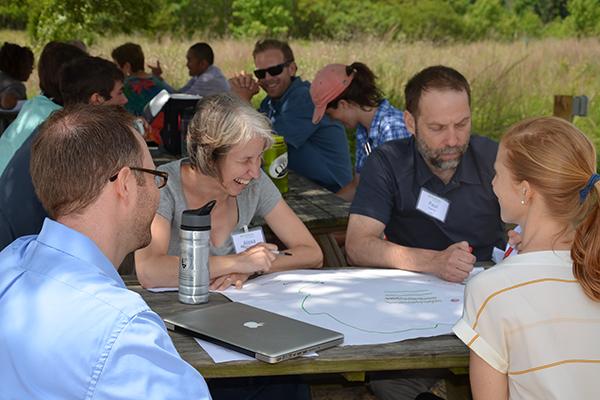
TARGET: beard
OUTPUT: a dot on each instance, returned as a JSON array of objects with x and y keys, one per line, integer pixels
[
  {"x": 434, "y": 156},
  {"x": 145, "y": 211}
]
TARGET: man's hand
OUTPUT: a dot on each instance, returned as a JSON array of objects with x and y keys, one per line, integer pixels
[
  {"x": 454, "y": 263},
  {"x": 244, "y": 85},
  {"x": 156, "y": 70},
  {"x": 514, "y": 239}
]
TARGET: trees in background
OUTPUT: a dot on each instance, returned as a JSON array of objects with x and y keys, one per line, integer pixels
[
  {"x": 432, "y": 20},
  {"x": 84, "y": 19}
]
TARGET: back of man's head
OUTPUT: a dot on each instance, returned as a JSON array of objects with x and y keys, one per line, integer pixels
[
  {"x": 129, "y": 53},
  {"x": 437, "y": 77},
  {"x": 81, "y": 78},
  {"x": 268, "y": 44},
  {"x": 53, "y": 57},
  {"x": 202, "y": 51},
  {"x": 75, "y": 153}
]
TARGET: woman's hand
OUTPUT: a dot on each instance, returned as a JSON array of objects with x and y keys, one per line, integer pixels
[
  {"x": 257, "y": 258},
  {"x": 224, "y": 281}
]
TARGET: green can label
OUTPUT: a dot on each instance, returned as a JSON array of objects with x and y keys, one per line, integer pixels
[
  {"x": 276, "y": 163},
  {"x": 278, "y": 167}
]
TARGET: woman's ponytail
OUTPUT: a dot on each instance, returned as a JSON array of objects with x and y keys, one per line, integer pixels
[{"x": 585, "y": 251}]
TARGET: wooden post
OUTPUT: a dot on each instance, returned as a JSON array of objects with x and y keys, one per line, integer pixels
[
  {"x": 457, "y": 385},
  {"x": 354, "y": 376},
  {"x": 563, "y": 107}
]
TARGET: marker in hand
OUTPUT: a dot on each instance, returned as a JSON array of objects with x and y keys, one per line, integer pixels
[{"x": 281, "y": 253}]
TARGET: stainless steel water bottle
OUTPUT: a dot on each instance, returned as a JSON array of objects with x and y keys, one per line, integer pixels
[{"x": 194, "y": 233}]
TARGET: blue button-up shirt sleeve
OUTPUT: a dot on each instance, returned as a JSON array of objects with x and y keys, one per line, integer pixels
[{"x": 142, "y": 363}]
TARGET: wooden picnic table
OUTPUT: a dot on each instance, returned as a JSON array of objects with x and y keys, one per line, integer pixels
[{"x": 441, "y": 352}]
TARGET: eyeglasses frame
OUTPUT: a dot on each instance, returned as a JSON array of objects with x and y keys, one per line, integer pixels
[{"x": 162, "y": 174}]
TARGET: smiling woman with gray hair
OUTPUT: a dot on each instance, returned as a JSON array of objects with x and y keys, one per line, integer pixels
[{"x": 226, "y": 140}]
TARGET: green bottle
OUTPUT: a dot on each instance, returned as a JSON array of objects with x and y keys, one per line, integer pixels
[{"x": 276, "y": 162}]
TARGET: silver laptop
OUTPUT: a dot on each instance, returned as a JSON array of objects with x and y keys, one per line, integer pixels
[{"x": 261, "y": 334}]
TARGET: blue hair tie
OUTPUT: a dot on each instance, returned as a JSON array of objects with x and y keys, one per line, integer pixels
[{"x": 583, "y": 193}]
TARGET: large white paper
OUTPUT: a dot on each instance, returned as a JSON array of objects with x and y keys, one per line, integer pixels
[{"x": 369, "y": 306}]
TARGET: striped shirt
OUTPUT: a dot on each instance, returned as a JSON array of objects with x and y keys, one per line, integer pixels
[{"x": 530, "y": 319}]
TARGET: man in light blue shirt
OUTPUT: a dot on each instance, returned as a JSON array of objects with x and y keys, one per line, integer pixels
[{"x": 71, "y": 329}]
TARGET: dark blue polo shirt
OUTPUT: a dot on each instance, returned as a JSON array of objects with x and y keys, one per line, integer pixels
[
  {"x": 21, "y": 213},
  {"x": 391, "y": 182}
]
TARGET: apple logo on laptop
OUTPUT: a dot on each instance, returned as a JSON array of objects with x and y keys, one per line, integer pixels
[{"x": 253, "y": 325}]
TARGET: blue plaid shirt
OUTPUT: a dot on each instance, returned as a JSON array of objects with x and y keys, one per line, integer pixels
[{"x": 388, "y": 124}]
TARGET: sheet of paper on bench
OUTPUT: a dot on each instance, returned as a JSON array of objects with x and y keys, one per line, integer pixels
[
  {"x": 369, "y": 306},
  {"x": 221, "y": 354}
]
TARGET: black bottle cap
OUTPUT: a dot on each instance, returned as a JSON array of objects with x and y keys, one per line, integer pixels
[{"x": 198, "y": 219}]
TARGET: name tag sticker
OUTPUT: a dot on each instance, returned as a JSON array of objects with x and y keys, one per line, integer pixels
[
  {"x": 433, "y": 205},
  {"x": 247, "y": 238}
]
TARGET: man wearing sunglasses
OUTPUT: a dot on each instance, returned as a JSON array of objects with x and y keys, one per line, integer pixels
[
  {"x": 90, "y": 80},
  {"x": 318, "y": 152},
  {"x": 60, "y": 291}
]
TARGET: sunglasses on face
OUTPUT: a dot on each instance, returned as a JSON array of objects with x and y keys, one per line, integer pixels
[{"x": 273, "y": 71}]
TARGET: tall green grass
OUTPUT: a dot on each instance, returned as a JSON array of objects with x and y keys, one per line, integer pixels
[{"x": 510, "y": 81}]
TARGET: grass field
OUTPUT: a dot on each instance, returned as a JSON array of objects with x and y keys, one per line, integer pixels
[{"x": 510, "y": 81}]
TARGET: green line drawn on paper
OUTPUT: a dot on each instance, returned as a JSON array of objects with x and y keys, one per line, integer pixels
[{"x": 304, "y": 308}]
